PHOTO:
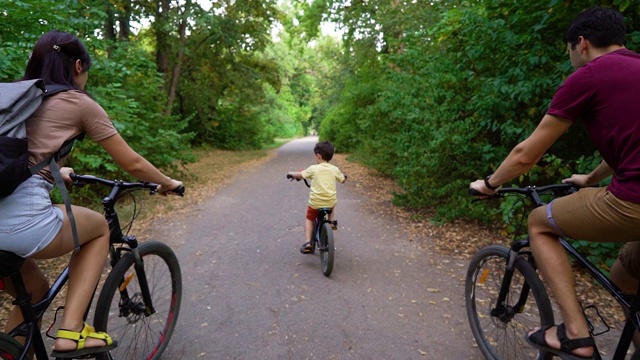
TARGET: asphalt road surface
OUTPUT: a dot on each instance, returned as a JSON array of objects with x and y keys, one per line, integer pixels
[{"x": 250, "y": 294}]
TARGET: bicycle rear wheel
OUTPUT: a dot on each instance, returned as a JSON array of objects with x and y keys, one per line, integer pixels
[
  {"x": 500, "y": 329},
  {"x": 327, "y": 249},
  {"x": 121, "y": 313},
  {"x": 10, "y": 348}
]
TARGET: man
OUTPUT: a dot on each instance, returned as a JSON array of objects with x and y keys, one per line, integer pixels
[{"x": 603, "y": 92}]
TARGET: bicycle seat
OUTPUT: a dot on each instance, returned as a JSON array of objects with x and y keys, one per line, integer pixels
[
  {"x": 9, "y": 263},
  {"x": 324, "y": 210}
]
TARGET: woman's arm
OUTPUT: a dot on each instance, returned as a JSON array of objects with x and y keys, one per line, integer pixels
[{"x": 136, "y": 165}]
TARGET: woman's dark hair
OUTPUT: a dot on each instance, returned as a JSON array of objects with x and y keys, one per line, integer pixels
[
  {"x": 53, "y": 58},
  {"x": 325, "y": 149},
  {"x": 601, "y": 26}
]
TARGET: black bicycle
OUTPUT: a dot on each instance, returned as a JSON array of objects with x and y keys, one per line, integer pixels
[
  {"x": 505, "y": 297},
  {"x": 322, "y": 236},
  {"x": 138, "y": 303}
]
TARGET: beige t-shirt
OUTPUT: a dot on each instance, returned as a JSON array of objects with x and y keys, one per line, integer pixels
[
  {"x": 323, "y": 185},
  {"x": 61, "y": 117}
]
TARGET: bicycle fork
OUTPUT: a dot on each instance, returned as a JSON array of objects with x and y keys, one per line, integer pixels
[
  {"x": 141, "y": 276},
  {"x": 503, "y": 310}
]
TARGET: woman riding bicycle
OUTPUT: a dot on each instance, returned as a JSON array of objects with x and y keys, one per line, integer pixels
[
  {"x": 31, "y": 226},
  {"x": 602, "y": 93}
]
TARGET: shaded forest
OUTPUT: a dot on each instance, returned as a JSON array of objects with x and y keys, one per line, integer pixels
[{"x": 431, "y": 93}]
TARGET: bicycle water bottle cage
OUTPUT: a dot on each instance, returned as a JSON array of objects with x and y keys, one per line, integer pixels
[
  {"x": 10, "y": 263},
  {"x": 592, "y": 329}
]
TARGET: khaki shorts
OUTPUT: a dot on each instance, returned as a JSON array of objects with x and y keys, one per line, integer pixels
[{"x": 594, "y": 214}]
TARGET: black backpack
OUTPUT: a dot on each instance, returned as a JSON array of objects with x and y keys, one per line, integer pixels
[{"x": 18, "y": 101}]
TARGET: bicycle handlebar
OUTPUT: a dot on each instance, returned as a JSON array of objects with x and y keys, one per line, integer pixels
[
  {"x": 123, "y": 185},
  {"x": 528, "y": 190}
]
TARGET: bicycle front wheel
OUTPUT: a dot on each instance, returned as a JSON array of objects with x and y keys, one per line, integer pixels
[
  {"x": 327, "y": 249},
  {"x": 120, "y": 310},
  {"x": 500, "y": 328}
]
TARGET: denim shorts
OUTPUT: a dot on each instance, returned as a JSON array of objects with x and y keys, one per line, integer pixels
[{"x": 28, "y": 220}]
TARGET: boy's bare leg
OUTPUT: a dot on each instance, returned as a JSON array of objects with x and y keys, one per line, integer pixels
[{"x": 334, "y": 226}]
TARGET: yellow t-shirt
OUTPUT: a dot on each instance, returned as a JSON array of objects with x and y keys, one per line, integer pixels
[{"x": 323, "y": 178}]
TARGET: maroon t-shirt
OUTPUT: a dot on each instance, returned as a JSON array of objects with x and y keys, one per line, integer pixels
[{"x": 605, "y": 94}]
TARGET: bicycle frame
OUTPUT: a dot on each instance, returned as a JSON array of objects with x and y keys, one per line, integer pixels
[
  {"x": 629, "y": 302},
  {"x": 321, "y": 218},
  {"x": 33, "y": 313}
]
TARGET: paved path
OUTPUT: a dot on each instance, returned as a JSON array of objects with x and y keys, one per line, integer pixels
[{"x": 249, "y": 293}]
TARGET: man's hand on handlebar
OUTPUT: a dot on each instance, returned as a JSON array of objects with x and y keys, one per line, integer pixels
[{"x": 478, "y": 188}]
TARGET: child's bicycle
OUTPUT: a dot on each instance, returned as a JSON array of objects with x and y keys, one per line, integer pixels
[
  {"x": 322, "y": 237},
  {"x": 138, "y": 303},
  {"x": 505, "y": 298}
]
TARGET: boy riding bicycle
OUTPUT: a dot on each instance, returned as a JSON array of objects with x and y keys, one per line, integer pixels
[{"x": 323, "y": 188}]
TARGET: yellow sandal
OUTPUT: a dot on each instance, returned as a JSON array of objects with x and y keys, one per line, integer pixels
[{"x": 88, "y": 331}]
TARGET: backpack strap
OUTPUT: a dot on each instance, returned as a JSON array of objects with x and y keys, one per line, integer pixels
[
  {"x": 52, "y": 162},
  {"x": 55, "y": 171},
  {"x": 56, "y": 88}
]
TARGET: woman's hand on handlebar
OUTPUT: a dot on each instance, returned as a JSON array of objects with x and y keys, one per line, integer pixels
[
  {"x": 170, "y": 188},
  {"x": 66, "y": 172}
]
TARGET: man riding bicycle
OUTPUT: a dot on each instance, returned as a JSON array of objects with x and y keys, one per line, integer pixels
[{"x": 602, "y": 93}]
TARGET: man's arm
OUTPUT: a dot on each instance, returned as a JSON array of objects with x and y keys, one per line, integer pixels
[{"x": 527, "y": 153}]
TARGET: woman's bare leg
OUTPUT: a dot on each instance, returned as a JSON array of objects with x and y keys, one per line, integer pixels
[
  {"x": 36, "y": 284},
  {"x": 85, "y": 268}
]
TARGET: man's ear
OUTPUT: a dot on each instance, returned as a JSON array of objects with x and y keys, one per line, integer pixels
[{"x": 583, "y": 44}]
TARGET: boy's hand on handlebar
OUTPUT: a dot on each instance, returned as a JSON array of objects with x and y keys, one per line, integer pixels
[
  {"x": 175, "y": 187},
  {"x": 291, "y": 175}
]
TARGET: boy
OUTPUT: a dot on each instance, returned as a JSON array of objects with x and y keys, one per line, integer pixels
[{"x": 323, "y": 188}]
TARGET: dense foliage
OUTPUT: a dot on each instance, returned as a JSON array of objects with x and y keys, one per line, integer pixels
[
  {"x": 173, "y": 74},
  {"x": 433, "y": 93},
  {"x": 437, "y": 93}
]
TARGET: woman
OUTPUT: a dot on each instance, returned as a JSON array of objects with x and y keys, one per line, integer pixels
[{"x": 32, "y": 226}]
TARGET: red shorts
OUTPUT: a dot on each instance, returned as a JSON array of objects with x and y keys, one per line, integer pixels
[{"x": 312, "y": 214}]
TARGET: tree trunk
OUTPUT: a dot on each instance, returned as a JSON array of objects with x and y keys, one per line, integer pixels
[
  {"x": 125, "y": 21},
  {"x": 161, "y": 26},
  {"x": 177, "y": 67}
]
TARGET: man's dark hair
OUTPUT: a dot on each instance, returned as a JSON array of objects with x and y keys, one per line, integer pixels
[
  {"x": 325, "y": 149},
  {"x": 601, "y": 26}
]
